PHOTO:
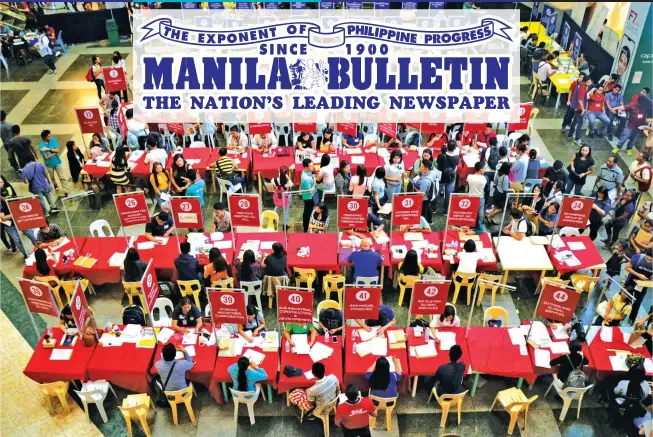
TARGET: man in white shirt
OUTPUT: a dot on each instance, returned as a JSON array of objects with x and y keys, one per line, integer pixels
[
  {"x": 476, "y": 183},
  {"x": 236, "y": 140},
  {"x": 45, "y": 50},
  {"x": 518, "y": 226},
  {"x": 135, "y": 130},
  {"x": 263, "y": 143},
  {"x": 155, "y": 154},
  {"x": 639, "y": 174},
  {"x": 546, "y": 70}
]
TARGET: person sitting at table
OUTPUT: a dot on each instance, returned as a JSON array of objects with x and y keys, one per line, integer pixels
[
  {"x": 305, "y": 140},
  {"x": 276, "y": 263},
  {"x": 236, "y": 140},
  {"x": 249, "y": 269},
  {"x": 216, "y": 269},
  {"x": 67, "y": 321},
  {"x": 646, "y": 241},
  {"x": 518, "y": 225},
  {"x": 155, "y": 154},
  {"x": 468, "y": 258},
  {"x": 366, "y": 260},
  {"x": 196, "y": 187},
  {"x": 354, "y": 414},
  {"x": 547, "y": 219},
  {"x": 282, "y": 184},
  {"x": 568, "y": 362},
  {"x": 319, "y": 394},
  {"x": 385, "y": 320},
  {"x": 331, "y": 319},
  {"x": 487, "y": 134},
  {"x": 263, "y": 143},
  {"x": 343, "y": 179},
  {"x": 246, "y": 375},
  {"x": 133, "y": 267},
  {"x": 643, "y": 327},
  {"x": 255, "y": 324},
  {"x": 377, "y": 188},
  {"x": 448, "y": 319},
  {"x": 49, "y": 235},
  {"x": 160, "y": 225},
  {"x": 531, "y": 205},
  {"x": 464, "y": 138},
  {"x": 545, "y": 69},
  {"x": 325, "y": 143},
  {"x": 319, "y": 222},
  {"x": 324, "y": 178},
  {"x": 179, "y": 175},
  {"x": 437, "y": 140},
  {"x": 291, "y": 329},
  {"x": 612, "y": 312},
  {"x": 221, "y": 218},
  {"x": 186, "y": 316},
  {"x": 634, "y": 388},
  {"x": 173, "y": 370},
  {"x": 601, "y": 207},
  {"x": 352, "y": 140},
  {"x": 226, "y": 167},
  {"x": 188, "y": 267},
  {"x": 383, "y": 382},
  {"x": 358, "y": 183},
  {"x": 160, "y": 183},
  {"x": 448, "y": 379},
  {"x": 555, "y": 195},
  {"x": 410, "y": 265}
]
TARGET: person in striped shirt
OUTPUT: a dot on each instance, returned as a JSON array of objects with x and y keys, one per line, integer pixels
[{"x": 226, "y": 167}]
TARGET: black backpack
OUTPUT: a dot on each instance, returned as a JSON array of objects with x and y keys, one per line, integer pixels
[
  {"x": 133, "y": 315},
  {"x": 448, "y": 172},
  {"x": 529, "y": 226},
  {"x": 493, "y": 160}
]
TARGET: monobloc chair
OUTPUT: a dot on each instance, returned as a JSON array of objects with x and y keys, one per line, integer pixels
[
  {"x": 568, "y": 231},
  {"x": 585, "y": 283},
  {"x": 446, "y": 401},
  {"x": 58, "y": 389},
  {"x": 514, "y": 402},
  {"x": 461, "y": 279},
  {"x": 223, "y": 283},
  {"x": 406, "y": 282},
  {"x": 387, "y": 404},
  {"x": 248, "y": 398},
  {"x": 253, "y": 288},
  {"x": 191, "y": 287},
  {"x": 331, "y": 283},
  {"x": 163, "y": 304},
  {"x": 98, "y": 226},
  {"x": 366, "y": 281},
  {"x": 495, "y": 313},
  {"x": 136, "y": 407},
  {"x": 483, "y": 286},
  {"x": 183, "y": 396},
  {"x": 95, "y": 392},
  {"x": 132, "y": 289},
  {"x": 568, "y": 395},
  {"x": 323, "y": 413},
  {"x": 271, "y": 220},
  {"x": 306, "y": 276},
  {"x": 270, "y": 283},
  {"x": 227, "y": 187}
]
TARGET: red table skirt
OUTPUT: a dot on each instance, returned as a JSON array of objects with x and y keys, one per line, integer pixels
[
  {"x": 428, "y": 366},
  {"x": 589, "y": 257},
  {"x": 333, "y": 366},
  {"x": 60, "y": 269},
  {"x": 323, "y": 251},
  {"x": 102, "y": 249},
  {"x": 600, "y": 355},
  {"x": 269, "y": 167}
]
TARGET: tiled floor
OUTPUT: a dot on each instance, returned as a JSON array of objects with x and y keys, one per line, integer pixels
[{"x": 37, "y": 101}]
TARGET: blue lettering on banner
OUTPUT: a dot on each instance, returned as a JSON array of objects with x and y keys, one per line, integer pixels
[
  {"x": 327, "y": 5},
  {"x": 298, "y": 5},
  {"x": 578, "y": 41},
  {"x": 548, "y": 19},
  {"x": 535, "y": 12},
  {"x": 217, "y": 5},
  {"x": 244, "y": 5},
  {"x": 566, "y": 30},
  {"x": 271, "y": 5},
  {"x": 189, "y": 5},
  {"x": 409, "y": 5},
  {"x": 354, "y": 5}
]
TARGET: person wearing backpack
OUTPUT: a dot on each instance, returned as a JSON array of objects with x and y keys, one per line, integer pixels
[
  {"x": 448, "y": 163},
  {"x": 519, "y": 226},
  {"x": 425, "y": 182},
  {"x": 640, "y": 268},
  {"x": 570, "y": 373},
  {"x": 97, "y": 75},
  {"x": 45, "y": 49}
]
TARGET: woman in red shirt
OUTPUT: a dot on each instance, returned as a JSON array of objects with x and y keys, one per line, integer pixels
[
  {"x": 354, "y": 414},
  {"x": 596, "y": 109},
  {"x": 437, "y": 140}
]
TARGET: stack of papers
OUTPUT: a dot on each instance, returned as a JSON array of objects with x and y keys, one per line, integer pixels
[
  {"x": 189, "y": 338},
  {"x": 396, "y": 336},
  {"x": 365, "y": 335},
  {"x": 542, "y": 358},
  {"x": 254, "y": 356},
  {"x": 320, "y": 352},
  {"x": 560, "y": 333},
  {"x": 61, "y": 354},
  {"x": 189, "y": 349},
  {"x": 606, "y": 334},
  {"x": 130, "y": 333},
  {"x": 217, "y": 236},
  {"x": 301, "y": 344},
  {"x": 516, "y": 336},
  {"x": 270, "y": 340},
  {"x": 363, "y": 348},
  {"x": 164, "y": 335},
  {"x": 427, "y": 350},
  {"x": 110, "y": 340},
  {"x": 413, "y": 236},
  {"x": 559, "y": 347},
  {"x": 147, "y": 245},
  {"x": 379, "y": 346},
  {"x": 117, "y": 259},
  {"x": 618, "y": 363},
  {"x": 146, "y": 338},
  {"x": 447, "y": 339},
  {"x": 222, "y": 244},
  {"x": 576, "y": 245}
]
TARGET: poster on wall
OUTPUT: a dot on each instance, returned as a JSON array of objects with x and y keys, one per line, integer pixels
[
  {"x": 549, "y": 19},
  {"x": 634, "y": 26},
  {"x": 578, "y": 42},
  {"x": 566, "y": 30}
]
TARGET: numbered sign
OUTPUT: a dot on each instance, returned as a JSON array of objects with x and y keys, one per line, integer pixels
[
  {"x": 352, "y": 212},
  {"x": 406, "y": 209},
  {"x": 186, "y": 212},
  {"x": 557, "y": 303},
  {"x": 132, "y": 208},
  {"x": 463, "y": 210},
  {"x": 38, "y": 297},
  {"x": 27, "y": 213},
  {"x": 244, "y": 210},
  {"x": 79, "y": 307},
  {"x": 429, "y": 297},
  {"x": 150, "y": 287},
  {"x": 228, "y": 307},
  {"x": 362, "y": 302},
  {"x": 575, "y": 211},
  {"x": 294, "y": 306},
  {"x": 90, "y": 120}
]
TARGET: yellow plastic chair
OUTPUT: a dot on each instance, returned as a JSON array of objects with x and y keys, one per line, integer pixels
[
  {"x": 184, "y": 396},
  {"x": 69, "y": 287},
  {"x": 534, "y": 113},
  {"x": 446, "y": 401},
  {"x": 551, "y": 279},
  {"x": 324, "y": 412},
  {"x": 333, "y": 283},
  {"x": 495, "y": 313},
  {"x": 387, "y": 404},
  {"x": 585, "y": 283},
  {"x": 482, "y": 286},
  {"x": 270, "y": 283},
  {"x": 514, "y": 401},
  {"x": 223, "y": 283},
  {"x": 271, "y": 220},
  {"x": 191, "y": 287},
  {"x": 55, "y": 288},
  {"x": 306, "y": 276},
  {"x": 136, "y": 407},
  {"x": 132, "y": 290},
  {"x": 58, "y": 389},
  {"x": 461, "y": 279},
  {"x": 406, "y": 282}
]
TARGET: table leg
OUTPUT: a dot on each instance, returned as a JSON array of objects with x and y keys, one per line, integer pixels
[
  {"x": 504, "y": 280},
  {"x": 382, "y": 275},
  {"x": 260, "y": 184},
  {"x": 269, "y": 394},
  {"x": 225, "y": 393},
  {"x": 475, "y": 384},
  {"x": 557, "y": 101},
  {"x": 520, "y": 381},
  {"x": 415, "y": 385}
]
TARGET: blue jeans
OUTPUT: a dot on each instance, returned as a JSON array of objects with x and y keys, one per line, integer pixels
[
  {"x": 391, "y": 190},
  {"x": 480, "y": 221},
  {"x": 46, "y": 196},
  {"x": 630, "y": 135},
  {"x": 591, "y": 119},
  {"x": 13, "y": 233},
  {"x": 576, "y": 124},
  {"x": 448, "y": 189},
  {"x": 158, "y": 198}
]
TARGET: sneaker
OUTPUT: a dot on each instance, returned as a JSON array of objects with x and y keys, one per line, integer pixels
[
  {"x": 53, "y": 71},
  {"x": 54, "y": 209},
  {"x": 610, "y": 137},
  {"x": 616, "y": 150},
  {"x": 579, "y": 142},
  {"x": 629, "y": 152}
]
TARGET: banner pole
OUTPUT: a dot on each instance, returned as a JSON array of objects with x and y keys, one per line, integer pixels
[
  {"x": 65, "y": 210},
  {"x": 503, "y": 217},
  {"x": 539, "y": 298},
  {"x": 471, "y": 311}
]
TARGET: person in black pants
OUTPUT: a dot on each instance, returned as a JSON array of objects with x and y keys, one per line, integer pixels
[
  {"x": 308, "y": 191},
  {"x": 640, "y": 268},
  {"x": 623, "y": 211},
  {"x": 98, "y": 77},
  {"x": 600, "y": 209}
]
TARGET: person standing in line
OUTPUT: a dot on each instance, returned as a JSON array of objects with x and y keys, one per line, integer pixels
[
  {"x": 476, "y": 184},
  {"x": 45, "y": 50},
  {"x": 581, "y": 166},
  {"x": 36, "y": 176},
  {"x": 448, "y": 163},
  {"x": 22, "y": 146},
  {"x": 394, "y": 171},
  {"x": 6, "y": 135},
  {"x": 425, "y": 182},
  {"x": 98, "y": 76},
  {"x": 49, "y": 148},
  {"x": 579, "y": 101},
  {"x": 354, "y": 414},
  {"x": 610, "y": 177},
  {"x": 307, "y": 188},
  {"x": 571, "y": 97}
]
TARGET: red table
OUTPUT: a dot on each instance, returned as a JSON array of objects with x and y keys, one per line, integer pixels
[
  {"x": 269, "y": 166},
  {"x": 356, "y": 366},
  {"x": 125, "y": 366},
  {"x": 221, "y": 375},
  {"x": 589, "y": 258},
  {"x": 60, "y": 268},
  {"x": 102, "y": 249},
  {"x": 141, "y": 170},
  {"x": 428, "y": 366},
  {"x": 333, "y": 365},
  {"x": 95, "y": 170},
  {"x": 493, "y": 353},
  {"x": 43, "y": 370},
  {"x": 323, "y": 251},
  {"x": 206, "y": 155},
  {"x": 344, "y": 252},
  {"x": 600, "y": 355},
  {"x": 162, "y": 255},
  {"x": 398, "y": 239},
  {"x": 484, "y": 238},
  {"x": 202, "y": 371}
]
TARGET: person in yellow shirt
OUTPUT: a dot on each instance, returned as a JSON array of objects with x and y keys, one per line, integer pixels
[{"x": 160, "y": 182}]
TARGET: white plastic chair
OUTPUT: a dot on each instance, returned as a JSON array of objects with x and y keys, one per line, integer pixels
[
  {"x": 331, "y": 191},
  {"x": 253, "y": 288},
  {"x": 95, "y": 392},
  {"x": 197, "y": 145},
  {"x": 207, "y": 310},
  {"x": 163, "y": 303},
  {"x": 207, "y": 132},
  {"x": 367, "y": 280},
  {"x": 513, "y": 137},
  {"x": 227, "y": 187},
  {"x": 368, "y": 128},
  {"x": 190, "y": 132},
  {"x": 569, "y": 232},
  {"x": 97, "y": 228},
  {"x": 248, "y": 398},
  {"x": 370, "y": 138},
  {"x": 500, "y": 140},
  {"x": 568, "y": 395}
]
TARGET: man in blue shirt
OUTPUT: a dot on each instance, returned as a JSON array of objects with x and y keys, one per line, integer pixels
[
  {"x": 49, "y": 148},
  {"x": 176, "y": 379},
  {"x": 613, "y": 100},
  {"x": 385, "y": 320},
  {"x": 35, "y": 175},
  {"x": 197, "y": 186},
  {"x": 352, "y": 140},
  {"x": 365, "y": 261},
  {"x": 307, "y": 187},
  {"x": 188, "y": 267},
  {"x": 161, "y": 225}
]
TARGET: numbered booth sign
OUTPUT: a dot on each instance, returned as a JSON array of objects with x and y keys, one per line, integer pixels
[
  {"x": 228, "y": 307},
  {"x": 557, "y": 303},
  {"x": 362, "y": 302},
  {"x": 294, "y": 305}
]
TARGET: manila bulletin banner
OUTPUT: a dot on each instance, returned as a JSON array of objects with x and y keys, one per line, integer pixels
[{"x": 326, "y": 66}]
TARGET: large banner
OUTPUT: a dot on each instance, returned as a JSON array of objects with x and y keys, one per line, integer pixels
[
  {"x": 186, "y": 212},
  {"x": 244, "y": 210},
  {"x": 636, "y": 32},
  {"x": 549, "y": 18},
  {"x": 228, "y": 307},
  {"x": 463, "y": 210},
  {"x": 114, "y": 79},
  {"x": 27, "y": 213},
  {"x": 150, "y": 287},
  {"x": 524, "y": 116},
  {"x": 90, "y": 120},
  {"x": 362, "y": 302},
  {"x": 347, "y": 128},
  {"x": 429, "y": 297},
  {"x": 407, "y": 209},
  {"x": 352, "y": 212},
  {"x": 557, "y": 303},
  {"x": 294, "y": 306},
  {"x": 578, "y": 42},
  {"x": 38, "y": 297},
  {"x": 132, "y": 208},
  {"x": 575, "y": 211},
  {"x": 79, "y": 307}
]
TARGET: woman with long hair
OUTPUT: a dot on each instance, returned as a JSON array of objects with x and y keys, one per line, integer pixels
[
  {"x": 246, "y": 374},
  {"x": 249, "y": 269},
  {"x": 41, "y": 262},
  {"x": 532, "y": 204},
  {"x": 358, "y": 183},
  {"x": 635, "y": 387},
  {"x": 118, "y": 61},
  {"x": 133, "y": 266},
  {"x": 448, "y": 319},
  {"x": 160, "y": 182},
  {"x": 602, "y": 207},
  {"x": 411, "y": 265},
  {"x": 378, "y": 189},
  {"x": 383, "y": 382},
  {"x": 343, "y": 179},
  {"x": 394, "y": 170},
  {"x": 623, "y": 211},
  {"x": 319, "y": 222},
  {"x": 325, "y": 177},
  {"x": 75, "y": 160},
  {"x": 186, "y": 316},
  {"x": 216, "y": 269},
  {"x": 255, "y": 324},
  {"x": 179, "y": 175},
  {"x": 282, "y": 184},
  {"x": 98, "y": 76},
  {"x": 581, "y": 166},
  {"x": 501, "y": 189},
  {"x": 98, "y": 146},
  {"x": 119, "y": 170},
  {"x": 427, "y": 154},
  {"x": 276, "y": 263}
]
